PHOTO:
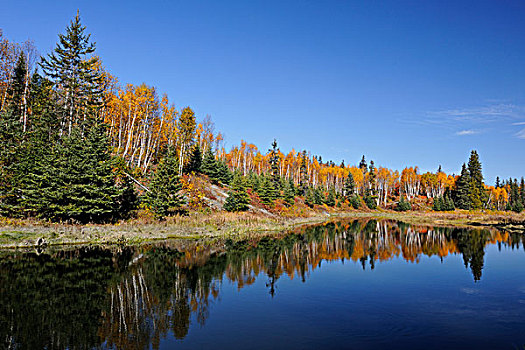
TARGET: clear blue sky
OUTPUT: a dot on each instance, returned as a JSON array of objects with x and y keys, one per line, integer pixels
[{"x": 403, "y": 82}]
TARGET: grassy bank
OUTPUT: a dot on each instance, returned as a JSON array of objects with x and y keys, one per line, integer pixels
[{"x": 24, "y": 233}]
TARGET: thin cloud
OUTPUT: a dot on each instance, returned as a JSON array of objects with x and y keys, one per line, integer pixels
[
  {"x": 519, "y": 123},
  {"x": 467, "y": 132},
  {"x": 521, "y": 134}
]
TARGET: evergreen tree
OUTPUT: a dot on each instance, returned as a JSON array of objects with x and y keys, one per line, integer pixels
[
  {"x": 498, "y": 185},
  {"x": 349, "y": 186},
  {"x": 318, "y": 196},
  {"x": 462, "y": 196},
  {"x": 164, "y": 197},
  {"x": 11, "y": 141},
  {"x": 77, "y": 79},
  {"x": 330, "y": 198},
  {"x": 223, "y": 175},
  {"x": 267, "y": 192},
  {"x": 303, "y": 179},
  {"x": 477, "y": 190},
  {"x": 522, "y": 190},
  {"x": 363, "y": 165},
  {"x": 449, "y": 204},
  {"x": 403, "y": 205},
  {"x": 238, "y": 198},
  {"x": 372, "y": 177},
  {"x": 310, "y": 197},
  {"x": 210, "y": 166},
  {"x": 355, "y": 201},
  {"x": 194, "y": 164},
  {"x": 438, "y": 204},
  {"x": 289, "y": 193},
  {"x": 18, "y": 87},
  {"x": 274, "y": 165},
  {"x": 75, "y": 181}
]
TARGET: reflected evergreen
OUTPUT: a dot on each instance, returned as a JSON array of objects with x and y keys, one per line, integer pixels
[{"x": 133, "y": 297}]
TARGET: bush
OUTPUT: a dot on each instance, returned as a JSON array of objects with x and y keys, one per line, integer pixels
[
  {"x": 371, "y": 202},
  {"x": 355, "y": 202},
  {"x": 403, "y": 205}
]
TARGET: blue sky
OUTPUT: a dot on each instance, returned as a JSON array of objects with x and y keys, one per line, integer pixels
[{"x": 403, "y": 82}]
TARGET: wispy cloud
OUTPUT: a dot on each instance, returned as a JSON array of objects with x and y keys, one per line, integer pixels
[
  {"x": 467, "y": 132},
  {"x": 501, "y": 117}
]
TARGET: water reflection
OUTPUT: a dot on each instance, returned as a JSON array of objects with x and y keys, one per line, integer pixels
[{"x": 133, "y": 297}]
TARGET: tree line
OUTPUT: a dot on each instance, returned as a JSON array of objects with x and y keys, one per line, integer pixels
[{"x": 77, "y": 146}]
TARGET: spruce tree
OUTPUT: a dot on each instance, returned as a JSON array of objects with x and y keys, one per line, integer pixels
[
  {"x": 355, "y": 201},
  {"x": 164, "y": 198},
  {"x": 363, "y": 165},
  {"x": 274, "y": 165},
  {"x": 438, "y": 204},
  {"x": 318, "y": 196},
  {"x": 462, "y": 196},
  {"x": 330, "y": 198},
  {"x": 11, "y": 143},
  {"x": 349, "y": 186},
  {"x": 18, "y": 87},
  {"x": 303, "y": 179},
  {"x": 75, "y": 72},
  {"x": 238, "y": 198},
  {"x": 477, "y": 190},
  {"x": 403, "y": 205},
  {"x": 223, "y": 175},
  {"x": 310, "y": 197},
  {"x": 210, "y": 166},
  {"x": 289, "y": 193},
  {"x": 267, "y": 192},
  {"x": 75, "y": 180},
  {"x": 194, "y": 164}
]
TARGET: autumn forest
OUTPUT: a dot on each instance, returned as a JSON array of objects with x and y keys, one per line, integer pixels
[{"x": 80, "y": 146}]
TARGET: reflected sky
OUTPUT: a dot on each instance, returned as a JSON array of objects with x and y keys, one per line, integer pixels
[{"x": 353, "y": 284}]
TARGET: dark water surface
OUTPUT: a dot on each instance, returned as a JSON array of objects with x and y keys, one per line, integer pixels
[{"x": 353, "y": 285}]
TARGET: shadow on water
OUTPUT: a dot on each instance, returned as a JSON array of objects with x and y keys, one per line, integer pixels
[{"x": 133, "y": 297}]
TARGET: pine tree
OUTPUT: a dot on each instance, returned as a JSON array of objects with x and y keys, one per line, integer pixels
[
  {"x": 238, "y": 198},
  {"x": 164, "y": 198},
  {"x": 522, "y": 190},
  {"x": 498, "y": 185},
  {"x": 462, "y": 196},
  {"x": 77, "y": 79},
  {"x": 449, "y": 204},
  {"x": 349, "y": 187},
  {"x": 372, "y": 177},
  {"x": 355, "y": 201}
]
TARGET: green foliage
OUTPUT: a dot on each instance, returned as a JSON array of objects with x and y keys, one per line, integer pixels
[
  {"x": 462, "y": 198},
  {"x": 355, "y": 201},
  {"x": 403, "y": 205},
  {"x": 274, "y": 165},
  {"x": 517, "y": 207},
  {"x": 194, "y": 164},
  {"x": 370, "y": 202},
  {"x": 75, "y": 180},
  {"x": 330, "y": 198},
  {"x": 310, "y": 197},
  {"x": 477, "y": 190},
  {"x": 349, "y": 186},
  {"x": 289, "y": 193},
  {"x": 438, "y": 204},
  {"x": 164, "y": 198},
  {"x": 318, "y": 196},
  {"x": 238, "y": 198},
  {"x": 267, "y": 192},
  {"x": 209, "y": 165}
]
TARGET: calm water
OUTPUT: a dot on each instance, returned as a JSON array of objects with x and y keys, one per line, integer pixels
[{"x": 353, "y": 285}]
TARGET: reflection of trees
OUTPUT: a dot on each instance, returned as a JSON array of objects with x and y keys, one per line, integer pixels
[{"x": 132, "y": 298}]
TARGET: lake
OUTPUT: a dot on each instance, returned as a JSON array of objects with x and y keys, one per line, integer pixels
[{"x": 351, "y": 284}]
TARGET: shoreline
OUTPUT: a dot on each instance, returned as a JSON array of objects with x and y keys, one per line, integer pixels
[{"x": 221, "y": 225}]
